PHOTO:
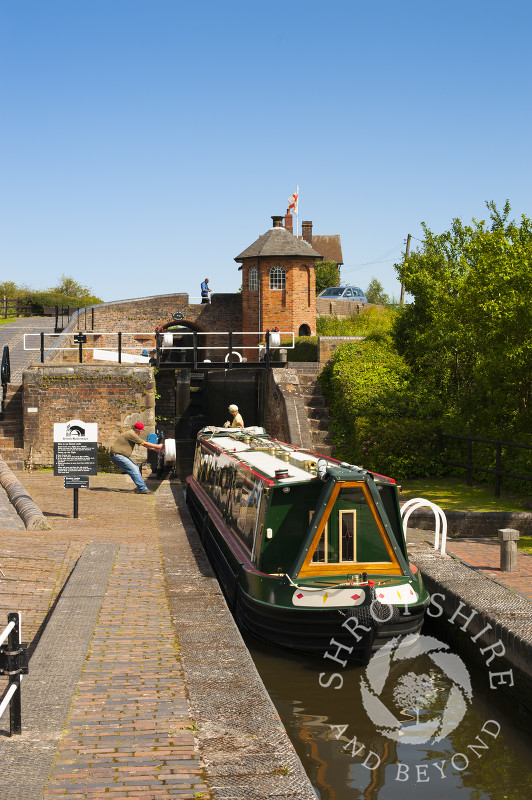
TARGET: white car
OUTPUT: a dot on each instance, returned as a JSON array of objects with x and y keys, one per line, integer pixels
[{"x": 344, "y": 293}]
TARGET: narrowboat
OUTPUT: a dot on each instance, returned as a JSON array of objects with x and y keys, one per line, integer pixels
[{"x": 308, "y": 550}]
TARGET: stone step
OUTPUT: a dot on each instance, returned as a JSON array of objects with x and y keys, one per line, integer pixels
[
  {"x": 319, "y": 425},
  {"x": 13, "y": 457},
  {"x": 314, "y": 402},
  {"x": 317, "y": 412},
  {"x": 325, "y": 449},
  {"x": 10, "y": 423},
  {"x": 321, "y": 436},
  {"x": 310, "y": 389},
  {"x": 11, "y": 441}
]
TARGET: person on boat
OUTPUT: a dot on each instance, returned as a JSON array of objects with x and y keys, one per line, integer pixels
[
  {"x": 237, "y": 422},
  {"x": 121, "y": 451}
]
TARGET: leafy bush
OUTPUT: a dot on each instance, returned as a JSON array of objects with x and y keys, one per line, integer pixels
[
  {"x": 42, "y": 300},
  {"x": 371, "y": 320},
  {"x": 306, "y": 349},
  {"x": 381, "y": 418}
]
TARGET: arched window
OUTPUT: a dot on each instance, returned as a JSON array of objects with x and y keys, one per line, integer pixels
[
  {"x": 304, "y": 330},
  {"x": 277, "y": 278},
  {"x": 253, "y": 279}
]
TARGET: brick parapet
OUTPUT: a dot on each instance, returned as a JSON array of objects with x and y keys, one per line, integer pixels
[
  {"x": 113, "y": 396},
  {"x": 141, "y": 317},
  {"x": 325, "y": 307}
]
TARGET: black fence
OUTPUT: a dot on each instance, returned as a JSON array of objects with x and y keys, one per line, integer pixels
[
  {"x": 498, "y": 447},
  {"x": 5, "y": 377},
  {"x": 13, "y": 663}
]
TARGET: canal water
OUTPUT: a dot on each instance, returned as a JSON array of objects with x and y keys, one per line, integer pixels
[{"x": 414, "y": 723}]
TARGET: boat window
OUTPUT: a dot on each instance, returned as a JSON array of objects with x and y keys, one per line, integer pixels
[
  {"x": 321, "y": 555},
  {"x": 348, "y": 533},
  {"x": 351, "y": 535},
  {"x": 247, "y": 514}
]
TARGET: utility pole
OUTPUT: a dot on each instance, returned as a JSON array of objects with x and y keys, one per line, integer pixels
[{"x": 402, "y": 300}]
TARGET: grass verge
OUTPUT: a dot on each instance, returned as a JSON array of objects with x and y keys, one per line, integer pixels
[{"x": 452, "y": 494}]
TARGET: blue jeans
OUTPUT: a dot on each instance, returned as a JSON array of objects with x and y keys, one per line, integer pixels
[{"x": 130, "y": 468}]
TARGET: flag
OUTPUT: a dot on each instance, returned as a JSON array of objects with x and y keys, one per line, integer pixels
[{"x": 293, "y": 201}]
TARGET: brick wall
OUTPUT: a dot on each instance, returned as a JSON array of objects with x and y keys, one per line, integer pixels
[
  {"x": 142, "y": 316},
  {"x": 113, "y": 396},
  {"x": 326, "y": 307},
  {"x": 286, "y": 309}
]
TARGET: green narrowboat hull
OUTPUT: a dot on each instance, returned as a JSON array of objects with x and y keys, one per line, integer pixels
[{"x": 266, "y": 605}]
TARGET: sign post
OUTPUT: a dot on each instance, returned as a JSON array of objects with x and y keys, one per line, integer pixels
[{"x": 76, "y": 454}]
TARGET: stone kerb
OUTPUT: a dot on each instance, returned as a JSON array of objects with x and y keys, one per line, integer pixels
[
  {"x": 114, "y": 396},
  {"x": 471, "y": 524}
]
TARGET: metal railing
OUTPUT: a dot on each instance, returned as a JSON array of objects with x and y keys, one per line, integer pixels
[
  {"x": 439, "y": 516},
  {"x": 470, "y": 467},
  {"x": 124, "y": 349},
  {"x": 14, "y": 664},
  {"x": 5, "y": 377}
]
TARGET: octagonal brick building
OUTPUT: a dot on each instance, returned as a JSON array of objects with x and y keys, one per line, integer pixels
[{"x": 279, "y": 283}]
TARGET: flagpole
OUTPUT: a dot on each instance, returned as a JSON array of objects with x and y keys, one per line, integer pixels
[{"x": 297, "y": 212}]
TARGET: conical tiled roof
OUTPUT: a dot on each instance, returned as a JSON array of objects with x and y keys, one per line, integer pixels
[{"x": 278, "y": 242}]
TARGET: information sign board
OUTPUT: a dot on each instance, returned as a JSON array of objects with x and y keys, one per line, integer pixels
[
  {"x": 75, "y": 448},
  {"x": 77, "y": 482}
]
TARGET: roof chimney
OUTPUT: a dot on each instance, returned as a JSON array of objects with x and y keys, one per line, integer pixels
[
  {"x": 277, "y": 222},
  {"x": 289, "y": 221},
  {"x": 306, "y": 230}
]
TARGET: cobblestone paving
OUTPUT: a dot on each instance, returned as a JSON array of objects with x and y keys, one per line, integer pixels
[{"x": 484, "y": 555}]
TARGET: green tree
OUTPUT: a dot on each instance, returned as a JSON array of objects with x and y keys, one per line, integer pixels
[
  {"x": 467, "y": 333},
  {"x": 8, "y": 289},
  {"x": 71, "y": 288},
  {"x": 327, "y": 274},
  {"x": 375, "y": 293}
]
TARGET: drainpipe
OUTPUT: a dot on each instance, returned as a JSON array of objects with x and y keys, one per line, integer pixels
[{"x": 259, "y": 276}]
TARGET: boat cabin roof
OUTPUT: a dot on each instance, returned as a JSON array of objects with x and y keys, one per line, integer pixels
[{"x": 278, "y": 462}]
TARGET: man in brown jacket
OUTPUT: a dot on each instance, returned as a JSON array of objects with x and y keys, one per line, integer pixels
[{"x": 121, "y": 451}]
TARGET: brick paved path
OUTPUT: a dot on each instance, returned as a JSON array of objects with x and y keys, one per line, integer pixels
[
  {"x": 120, "y": 740},
  {"x": 484, "y": 554}
]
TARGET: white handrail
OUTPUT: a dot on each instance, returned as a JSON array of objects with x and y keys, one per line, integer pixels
[
  {"x": 142, "y": 345},
  {"x": 9, "y": 694},
  {"x": 5, "y": 633},
  {"x": 418, "y": 502}
]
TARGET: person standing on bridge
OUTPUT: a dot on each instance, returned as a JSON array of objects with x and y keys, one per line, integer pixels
[
  {"x": 205, "y": 291},
  {"x": 237, "y": 422},
  {"x": 121, "y": 451}
]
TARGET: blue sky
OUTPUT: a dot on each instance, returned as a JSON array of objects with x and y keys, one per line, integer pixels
[{"x": 145, "y": 143}]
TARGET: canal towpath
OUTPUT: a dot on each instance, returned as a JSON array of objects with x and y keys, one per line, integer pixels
[{"x": 140, "y": 684}]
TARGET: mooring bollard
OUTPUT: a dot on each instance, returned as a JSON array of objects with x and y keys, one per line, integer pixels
[{"x": 508, "y": 538}]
